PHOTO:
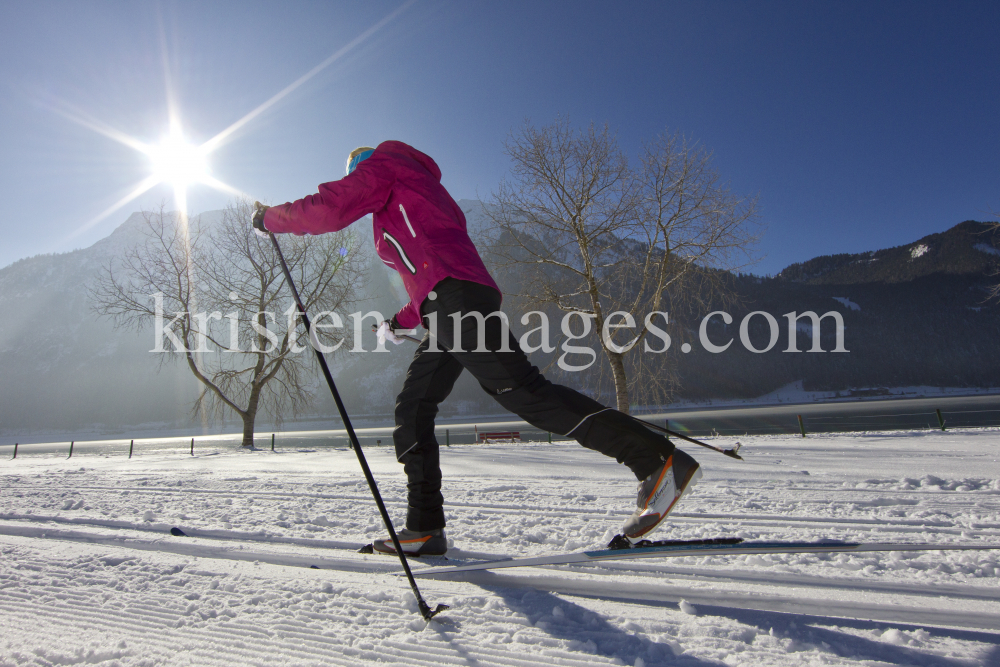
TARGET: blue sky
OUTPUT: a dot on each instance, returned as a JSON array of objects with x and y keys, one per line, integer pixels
[{"x": 859, "y": 125}]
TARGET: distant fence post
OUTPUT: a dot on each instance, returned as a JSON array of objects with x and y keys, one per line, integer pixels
[
  {"x": 550, "y": 437},
  {"x": 447, "y": 438},
  {"x": 272, "y": 442},
  {"x": 940, "y": 418},
  {"x": 475, "y": 430},
  {"x": 192, "y": 446},
  {"x": 802, "y": 426},
  {"x": 15, "y": 451},
  {"x": 131, "y": 445},
  {"x": 70, "y": 450}
]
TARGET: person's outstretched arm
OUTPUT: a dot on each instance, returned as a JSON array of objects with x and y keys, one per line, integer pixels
[{"x": 336, "y": 205}]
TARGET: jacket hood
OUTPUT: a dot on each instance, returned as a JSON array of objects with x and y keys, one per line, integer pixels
[{"x": 412, "y": 153}]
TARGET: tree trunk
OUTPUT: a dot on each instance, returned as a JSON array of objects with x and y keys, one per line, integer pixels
[
  {"x": 248, "y": 420},
  {"x": 621, "y": 385},
  {"x": 250, "y": 415}
]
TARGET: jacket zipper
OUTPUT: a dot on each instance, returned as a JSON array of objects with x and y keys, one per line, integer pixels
[
  {"x": 408, "y": 225},
  {"x": 402, "y": 255}
]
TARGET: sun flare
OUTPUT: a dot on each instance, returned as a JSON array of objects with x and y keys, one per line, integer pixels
[
  {"x": 180, "y": 164},
  {"x": 177, "y": 162}
]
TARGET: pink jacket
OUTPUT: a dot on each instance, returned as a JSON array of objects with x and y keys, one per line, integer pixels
[{"x": 419, "y": 229}]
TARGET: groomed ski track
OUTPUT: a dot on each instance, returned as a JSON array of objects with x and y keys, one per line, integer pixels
[
  {"x": 901, "y": 603},
  {"x": 87, "y": 562}
]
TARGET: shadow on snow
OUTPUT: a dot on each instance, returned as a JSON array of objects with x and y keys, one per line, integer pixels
[{"x": 587, "y": 631}]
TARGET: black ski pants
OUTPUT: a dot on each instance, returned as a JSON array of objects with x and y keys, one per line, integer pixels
[{"x": 512, "y": 380}]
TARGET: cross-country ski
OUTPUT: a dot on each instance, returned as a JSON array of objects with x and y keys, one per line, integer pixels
[{"x": 716, "y": 547}]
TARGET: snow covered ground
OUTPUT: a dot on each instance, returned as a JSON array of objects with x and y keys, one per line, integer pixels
[{"x": 90, "y": 575}]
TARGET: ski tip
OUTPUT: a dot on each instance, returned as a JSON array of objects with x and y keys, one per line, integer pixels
[
  {"x": 367, "y": 549},
  {"x": 177, "y": 532}
]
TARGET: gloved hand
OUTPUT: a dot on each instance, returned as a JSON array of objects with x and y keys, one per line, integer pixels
[
  {"x": 385, "y": 332},
  {"x": 258, "y": 218}
]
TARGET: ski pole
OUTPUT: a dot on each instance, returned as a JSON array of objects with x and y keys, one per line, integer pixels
[
  {"x": 425, "y": 610},
  {"x": 731, "y": 453}
]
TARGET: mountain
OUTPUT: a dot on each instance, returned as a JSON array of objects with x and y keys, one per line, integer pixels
[
  {"x": 969, "y": 248},
  {"x": 918, "y": 314},
  {"x": 62, "y": 367}
]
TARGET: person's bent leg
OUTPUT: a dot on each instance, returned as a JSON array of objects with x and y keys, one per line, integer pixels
[
  {"x": 546, "y": 405},
  {"x": 615, "y": 433},
  {"x": 520, "y": 388},
  {"x": 429, "y": 380}
]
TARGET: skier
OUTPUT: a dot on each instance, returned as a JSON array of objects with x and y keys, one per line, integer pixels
[{"x": 421, "y": 232}]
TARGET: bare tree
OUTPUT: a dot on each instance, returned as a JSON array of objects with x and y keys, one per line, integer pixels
[
  {"x": 591, "y": 234},
  {"x": 215, "y": 297}
]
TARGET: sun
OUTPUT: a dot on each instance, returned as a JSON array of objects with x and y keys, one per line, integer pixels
[
  {"x": 182, "y": 165},
  {"x": 177, "y": 162}
]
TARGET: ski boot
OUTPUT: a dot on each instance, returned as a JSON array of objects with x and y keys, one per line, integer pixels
[
  {"x": 415, "y": 543},
  {"x": 659, "y": 493}
]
